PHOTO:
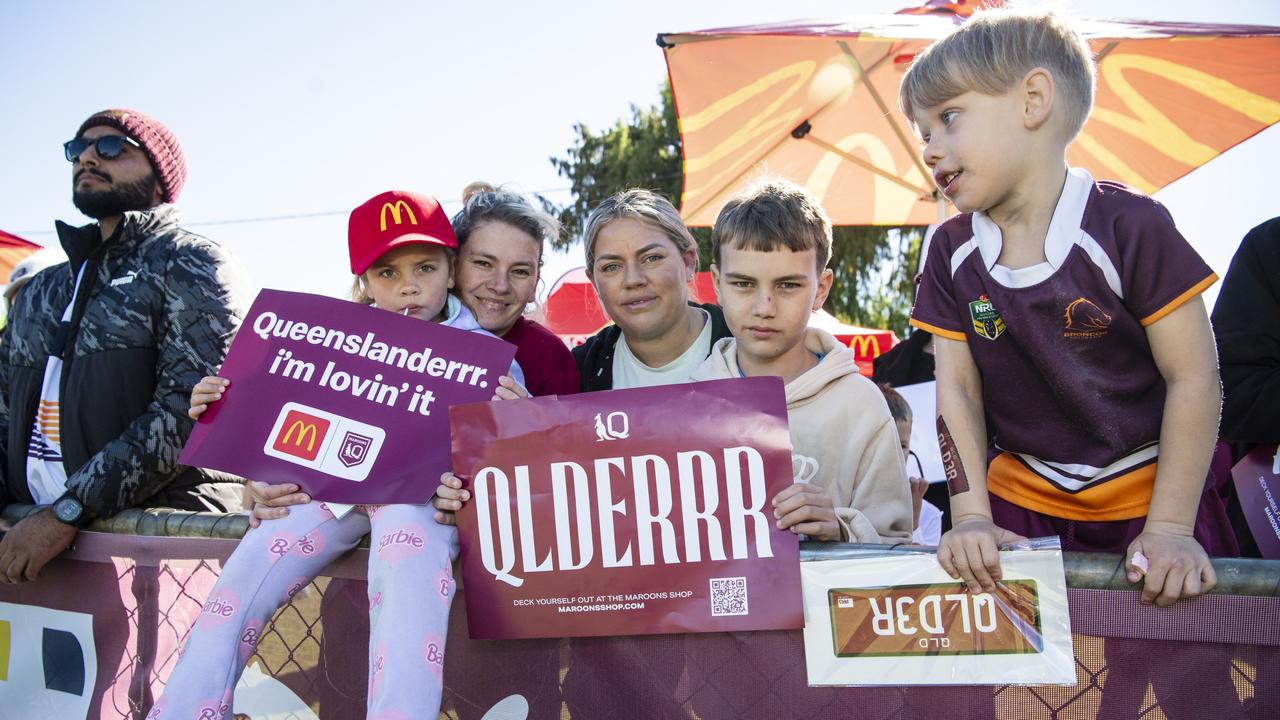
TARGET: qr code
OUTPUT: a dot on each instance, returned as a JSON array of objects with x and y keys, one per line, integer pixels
[{"x": 728, "y": 596}]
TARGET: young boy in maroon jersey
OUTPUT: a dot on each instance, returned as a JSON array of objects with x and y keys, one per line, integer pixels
[{"x": 1068, "y": 311}]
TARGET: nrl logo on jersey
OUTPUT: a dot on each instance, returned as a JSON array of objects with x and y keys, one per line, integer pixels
[{"x": 986, "y": 321}]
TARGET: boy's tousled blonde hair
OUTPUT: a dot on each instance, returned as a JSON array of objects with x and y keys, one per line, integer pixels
[
  {"x": 995, "y": 49},
  {"x": 773, "y": 213}
]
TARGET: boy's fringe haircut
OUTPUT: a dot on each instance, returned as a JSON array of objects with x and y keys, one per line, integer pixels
[
  {"x": 995, "y": 49},
  {"x": 772, "y": 213}
]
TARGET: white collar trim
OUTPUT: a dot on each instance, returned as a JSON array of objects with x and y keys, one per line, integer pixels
[{"x": 1064, "y": 228}]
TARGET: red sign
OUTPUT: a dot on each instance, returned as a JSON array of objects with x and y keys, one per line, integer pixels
[
  {"x": 302, "y": 435},
  {"x": 627, "y": 512}
]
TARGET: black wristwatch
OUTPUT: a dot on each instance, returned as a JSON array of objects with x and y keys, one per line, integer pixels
[{"x": 69, "y": 510}]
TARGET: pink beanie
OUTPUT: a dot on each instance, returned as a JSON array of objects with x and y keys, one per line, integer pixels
[{"x": 160, "y": 145}]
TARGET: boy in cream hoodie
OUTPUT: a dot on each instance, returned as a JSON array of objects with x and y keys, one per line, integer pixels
[{"x": 770, "y": 246}]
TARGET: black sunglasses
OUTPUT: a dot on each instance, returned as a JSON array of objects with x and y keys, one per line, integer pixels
[{"x": 107, "y": 146}]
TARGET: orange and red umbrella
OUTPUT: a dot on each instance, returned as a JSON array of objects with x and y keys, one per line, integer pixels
[
  {"x": 13, "y": 250},
  {"x": 817, "y": 102}
]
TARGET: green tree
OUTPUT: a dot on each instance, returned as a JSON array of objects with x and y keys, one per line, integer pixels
[{"x": 874, "y": 266}]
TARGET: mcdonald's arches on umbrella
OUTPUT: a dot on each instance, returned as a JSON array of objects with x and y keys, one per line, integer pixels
[
  {"x": 572, "y": 311},
  {"x": 817, "y": 102}
]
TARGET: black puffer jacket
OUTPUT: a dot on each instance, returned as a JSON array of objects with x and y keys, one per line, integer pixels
[
  {"x": 595, "y": 356},
  {"x": 1246, "y": 323},
  {"x": 156, "y": 312}
]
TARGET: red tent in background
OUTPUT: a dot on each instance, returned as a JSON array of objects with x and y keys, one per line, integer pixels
[
  {"x": 13, "y": 250},
  {"x": 572, "y": 312}
]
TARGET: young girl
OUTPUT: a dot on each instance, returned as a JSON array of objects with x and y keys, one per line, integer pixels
[{"x": 404, "y": 267}]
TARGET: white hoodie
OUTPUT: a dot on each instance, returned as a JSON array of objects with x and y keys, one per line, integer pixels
[{"x": 843, "y": 439}]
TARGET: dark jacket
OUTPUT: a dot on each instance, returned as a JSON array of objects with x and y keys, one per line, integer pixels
[
  {"x": 905, "y": 363},
  {"x": 1246, "y": 323},
  {"x": 156, "y": 311},
  {"x": 595, "y": 356}
]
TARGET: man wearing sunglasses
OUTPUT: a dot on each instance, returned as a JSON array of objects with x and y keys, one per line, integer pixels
[{"x": 101, "y": 352}]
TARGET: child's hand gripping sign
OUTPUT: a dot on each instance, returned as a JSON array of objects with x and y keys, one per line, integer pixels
[{"x": 349, "y": 402}]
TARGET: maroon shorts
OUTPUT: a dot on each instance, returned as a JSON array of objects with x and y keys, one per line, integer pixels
[{"x": 1213, "y": 529}]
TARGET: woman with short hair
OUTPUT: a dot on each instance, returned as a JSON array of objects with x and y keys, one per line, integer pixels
[
  {"x": 501, "y": 237},
  {"x": 641, "y": 259}
]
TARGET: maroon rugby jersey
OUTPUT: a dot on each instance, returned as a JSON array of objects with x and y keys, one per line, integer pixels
[{"x": 1068, "y": 379}]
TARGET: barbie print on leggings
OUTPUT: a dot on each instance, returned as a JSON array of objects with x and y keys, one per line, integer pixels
[{"x": 405, "y": 269}]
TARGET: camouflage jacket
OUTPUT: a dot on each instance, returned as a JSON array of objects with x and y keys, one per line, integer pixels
[{"x": 156, "y": 312}]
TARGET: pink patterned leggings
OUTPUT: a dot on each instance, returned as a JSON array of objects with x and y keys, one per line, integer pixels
[{"x": 410, "y": 588}]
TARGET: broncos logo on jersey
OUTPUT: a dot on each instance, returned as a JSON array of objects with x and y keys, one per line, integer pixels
[{"x": 1084, "y": 319}]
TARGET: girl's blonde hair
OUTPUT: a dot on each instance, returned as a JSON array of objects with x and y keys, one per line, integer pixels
[{"x": 360, "y": 294}]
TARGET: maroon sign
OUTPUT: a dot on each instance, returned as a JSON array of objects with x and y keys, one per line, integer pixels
[
  {"x": 627, "y": 512},
  {"x": 1257, "y": 480},
  {"x": 348, "y": 401}
]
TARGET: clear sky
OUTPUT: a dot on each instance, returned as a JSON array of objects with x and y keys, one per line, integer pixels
[{"x": 298, "y": 108}]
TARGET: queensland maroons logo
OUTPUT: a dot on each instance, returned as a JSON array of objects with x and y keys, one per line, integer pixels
[
  {"x": 354, "y": 448},
  {"x": 614, "y": 426},
  {"x": 1084, "y": 320}
]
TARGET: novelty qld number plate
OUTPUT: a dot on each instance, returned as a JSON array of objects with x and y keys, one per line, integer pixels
[{"x": 936, "y": 619}]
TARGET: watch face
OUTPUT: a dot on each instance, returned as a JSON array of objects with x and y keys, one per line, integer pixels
[{"x": 67, "y": 510}]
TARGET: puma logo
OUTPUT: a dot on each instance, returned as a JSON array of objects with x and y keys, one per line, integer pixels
[{"x": 124, "y": 279}]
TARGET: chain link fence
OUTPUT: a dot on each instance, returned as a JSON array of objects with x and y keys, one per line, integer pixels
[{"x": 144, "y": 575}]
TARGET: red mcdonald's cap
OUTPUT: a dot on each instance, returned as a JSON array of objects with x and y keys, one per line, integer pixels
[{"x": 394, "y": 218}]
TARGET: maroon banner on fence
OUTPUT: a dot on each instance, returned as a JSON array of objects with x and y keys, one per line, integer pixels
[
  {"x": 1257, "y": 481},
  {"x": 628, "y": 512},
  {"x": 348, "y": 401},
  {"x": 140, "y": 595}
]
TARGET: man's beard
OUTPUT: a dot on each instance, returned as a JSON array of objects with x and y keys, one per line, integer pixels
[{"x": 116, "y": 200}]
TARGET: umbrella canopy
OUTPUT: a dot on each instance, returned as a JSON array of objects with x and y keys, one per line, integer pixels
[
  {"x": 817, "y": 102},
  {"x": 13, "y": 250},
  {"x": 572, "y": 311}
]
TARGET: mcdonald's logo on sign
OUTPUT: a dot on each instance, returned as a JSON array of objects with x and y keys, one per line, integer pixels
[
  {"x": 324, "y": 442},
  {"x": 395, "y": 210},
  {"x": 301, "y": 434},
  {"x": 865, "y": 346}
]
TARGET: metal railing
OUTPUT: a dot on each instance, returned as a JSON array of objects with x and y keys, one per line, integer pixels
[{"x": 1092, "y": 571}]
